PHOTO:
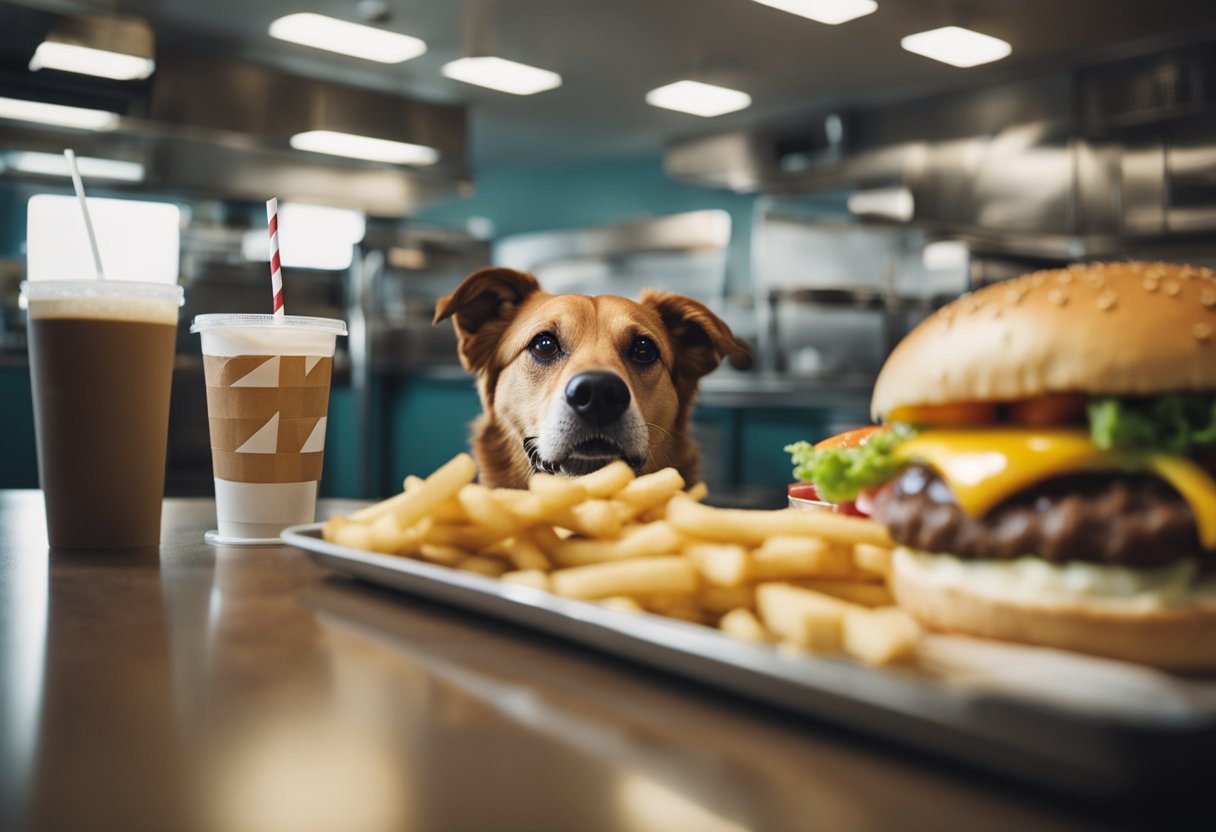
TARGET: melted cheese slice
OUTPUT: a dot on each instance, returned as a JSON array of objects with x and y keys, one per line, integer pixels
[{"x": 984, "y": 466}]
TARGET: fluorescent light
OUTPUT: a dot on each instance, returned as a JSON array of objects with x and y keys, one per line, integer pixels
[
  {"x": 365, "y": 147},
  {"x": 139, "y": 240},
  {"x": 886, "y": 203},
  {"x": 71, "y": 57},
  {"x": 699, "y": 99},
  {"x": 310, "y": 237},
  {"x": 346, "y": 38},
  {"x": 54, "y": 164},
  {"x": 831, "y": 12},
  {"x": 957, "y": 46},
  {"x": 502, "y": 75},
  {"x": 19, "y": 109}
]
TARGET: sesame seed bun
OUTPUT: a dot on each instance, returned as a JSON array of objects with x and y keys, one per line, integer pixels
[{"x": 1103, "y": 328}]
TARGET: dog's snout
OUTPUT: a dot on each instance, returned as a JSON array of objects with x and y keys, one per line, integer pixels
[{"x": 598, "y": 397}]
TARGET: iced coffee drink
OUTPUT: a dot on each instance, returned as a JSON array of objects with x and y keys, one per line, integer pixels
[
  {"x": 267, "y": 407},
  {"x": 101, "y": 363}
]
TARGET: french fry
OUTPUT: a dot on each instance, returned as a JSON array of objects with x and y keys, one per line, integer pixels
[
  {"x": 491, "y": 567},
  {"x": 608, "y": 480},
  {"x": 722, "y": 599},
  {"x": 444, "y": 555},
  {"x": 545, "y": 539},
  {"x": 855, "y": 592},
  {"x": 387, "y": 536},
  {"x": 438, "y": 487},
  {"x": 354, "y": 535},
  {"x": 698, "y": 492},
  {"x": 742, "y": 623},
  {"x": 751, "y": 528},
  {"x": 651, "y": 489},
  {"x": 593, "y": 518},
  {"x": 485, "y": 511},
  {"x": 880, "y": 636},
  {"x": 782, "y": 558},
  {"x": 462, "y": 537},
  {"x": 412, "y": 483},
  {"x": 873, "y": 559},
  {"x": 722, "y": 564},
  {"x": 637, "y": 542},
  {"x": 622, "y": 603},
  {"x": 535, "y": 578},
  {"x": 636, "y": 576},
  {"x": 522, "y": 552},
  {"x": 807, "y": 618}
]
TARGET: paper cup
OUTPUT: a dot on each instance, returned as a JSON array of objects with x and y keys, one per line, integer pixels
[{"x": 267, "y": 405}]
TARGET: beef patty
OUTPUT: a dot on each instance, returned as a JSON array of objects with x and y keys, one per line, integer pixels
[{"x": 1130, "y": 520}]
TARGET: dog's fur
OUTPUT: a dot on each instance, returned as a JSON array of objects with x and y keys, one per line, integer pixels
[{"x": 527, "y": 424}]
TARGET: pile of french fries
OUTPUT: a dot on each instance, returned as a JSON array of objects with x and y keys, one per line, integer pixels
[{"x": 641, "y": 543}]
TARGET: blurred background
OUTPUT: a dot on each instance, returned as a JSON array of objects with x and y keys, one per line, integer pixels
[{"x": 823, "y": 173}]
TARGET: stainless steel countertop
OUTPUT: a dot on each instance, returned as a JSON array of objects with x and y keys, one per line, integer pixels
[{"x": 247, "y": 689}]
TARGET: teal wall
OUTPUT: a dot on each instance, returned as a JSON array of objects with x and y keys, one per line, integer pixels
[{"x": 524, "y": 199}]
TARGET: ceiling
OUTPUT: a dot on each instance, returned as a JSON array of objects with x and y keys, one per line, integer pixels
[{"x": 611, "y": 52}]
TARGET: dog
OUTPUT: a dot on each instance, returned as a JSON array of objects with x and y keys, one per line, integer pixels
[{"x": 570, "y": 383}]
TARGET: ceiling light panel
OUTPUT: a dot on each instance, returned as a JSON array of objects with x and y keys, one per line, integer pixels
[
  {"x": 364, "y": 147},
  {"x": 698, "y": 99},
  {"x": 54, "y": 164},
  {"x": 832, "y": 12},
  {"x": 84, "y": 60},
  {"x": 502, "y": 75},
  {"x": 346, "y": 38},
  {"x": 40, "y": 112},
  {"x": 957, "y": 46}
]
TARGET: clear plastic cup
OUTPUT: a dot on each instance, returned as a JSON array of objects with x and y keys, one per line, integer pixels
[
  {"x": 267, "y": 405},
  {"x": 101, "y": 365}
]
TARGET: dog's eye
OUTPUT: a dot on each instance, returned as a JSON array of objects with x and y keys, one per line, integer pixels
[
  {"x": 643, "y": 351},
  {"x": 545, "y": 347}
]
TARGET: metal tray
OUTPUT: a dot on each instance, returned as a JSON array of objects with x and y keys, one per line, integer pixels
[{"x": 1075, "y": 724}]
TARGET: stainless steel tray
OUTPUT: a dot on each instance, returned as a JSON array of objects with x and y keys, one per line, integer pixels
[{"x": 1075, "y": 724}]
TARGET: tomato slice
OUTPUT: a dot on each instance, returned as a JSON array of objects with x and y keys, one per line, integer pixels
[
  {"x": 849, "y": 439},
  {"x": 849, "y": 509},
  {"x": 1050, "y": 409},
  {"x": 803, "y": 491},
  {"x": 958, "y": 413}
]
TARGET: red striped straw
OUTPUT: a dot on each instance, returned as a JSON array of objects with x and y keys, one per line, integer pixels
[{"x": 276, "y": 273}]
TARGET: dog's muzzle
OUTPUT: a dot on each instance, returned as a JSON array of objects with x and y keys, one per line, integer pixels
[{"x": 591, "y": 426}]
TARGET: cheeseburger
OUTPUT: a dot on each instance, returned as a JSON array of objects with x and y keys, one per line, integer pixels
[{"x": 1047, "y": 468}]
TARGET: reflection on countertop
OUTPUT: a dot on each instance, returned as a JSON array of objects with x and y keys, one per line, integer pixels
[{"x": 239, "y": 689}]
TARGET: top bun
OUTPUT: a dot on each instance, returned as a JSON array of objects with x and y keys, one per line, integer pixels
[{"x": 1103, "y": 328}]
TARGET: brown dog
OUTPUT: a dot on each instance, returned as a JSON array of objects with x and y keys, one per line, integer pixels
[{"x": 569, "y": 383}]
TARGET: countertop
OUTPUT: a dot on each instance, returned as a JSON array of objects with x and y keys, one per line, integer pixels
[{"x": 248, "y": 689}]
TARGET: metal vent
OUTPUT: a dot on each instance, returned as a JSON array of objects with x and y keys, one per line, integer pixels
[{"x": 1141, "y": 94}]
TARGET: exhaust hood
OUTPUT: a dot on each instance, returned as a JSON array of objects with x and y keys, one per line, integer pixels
[
  {"x": 207, "y": 127},
  {"x": 1064, "y": 165}
]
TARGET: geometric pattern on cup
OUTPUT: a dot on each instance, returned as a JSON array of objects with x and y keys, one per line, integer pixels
[
  {"x": 267, "y": 416},
  {"x": 235, "y": 467}
]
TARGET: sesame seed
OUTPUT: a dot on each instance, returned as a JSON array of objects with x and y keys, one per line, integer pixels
[
  {"x": 1014, "y": 296},
  {"x": 1106, "y": 301},
  {"x": 1208, "y": 298},
  {"x": 1057, "y": 297},
  {"x": 1172, "y": 289},
  {"x": 1202, "y": 331},
  {"x": 1064, "y": 277},
  {"x": 1150, "y": 284}
]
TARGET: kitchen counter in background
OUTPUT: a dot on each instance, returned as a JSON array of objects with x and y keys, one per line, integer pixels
[{"x": 201, "y": 688}]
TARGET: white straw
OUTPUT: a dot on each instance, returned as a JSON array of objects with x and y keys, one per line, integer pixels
[{"x": 84, "y": 209}]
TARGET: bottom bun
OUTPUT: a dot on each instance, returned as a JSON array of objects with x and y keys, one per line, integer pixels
[{"x": 1177, "y": 636}]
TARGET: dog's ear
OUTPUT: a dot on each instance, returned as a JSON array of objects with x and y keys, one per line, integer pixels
[
  {"x": 702, "y": 337},
  {"x": 481, "y": 307}
]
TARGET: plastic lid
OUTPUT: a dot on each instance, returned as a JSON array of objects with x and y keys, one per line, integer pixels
[
  {"x": 202, "y": 323},
  {"x": 93, "y": 289}
]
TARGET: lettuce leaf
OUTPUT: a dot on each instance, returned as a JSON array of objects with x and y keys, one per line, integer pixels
[
  {"x": 840, "y": 474},
  {"x": 1176, "y": 423}
]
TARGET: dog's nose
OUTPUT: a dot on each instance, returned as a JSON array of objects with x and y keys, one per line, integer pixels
[{"x": 598, "y": 397}]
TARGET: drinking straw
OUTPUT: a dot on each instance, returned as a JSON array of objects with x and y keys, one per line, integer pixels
[
  {"x": 84, "y": 209},
  {"x": 276, "y": 273}
]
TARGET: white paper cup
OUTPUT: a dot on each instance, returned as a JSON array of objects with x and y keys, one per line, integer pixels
[{"x": 267, "y": 405}]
